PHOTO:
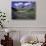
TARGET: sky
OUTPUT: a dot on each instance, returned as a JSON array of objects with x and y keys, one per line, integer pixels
[
  {"x": 21, "y": 4},
  {"x": 18, "y": 4}
]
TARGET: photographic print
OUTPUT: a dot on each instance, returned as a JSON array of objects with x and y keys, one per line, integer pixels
[{"x": 23, "y": 10}]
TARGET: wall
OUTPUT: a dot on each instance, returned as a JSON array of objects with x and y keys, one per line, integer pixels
[
  {"x": 26, "y": 25},
  {"x": 5, "y": 6}
]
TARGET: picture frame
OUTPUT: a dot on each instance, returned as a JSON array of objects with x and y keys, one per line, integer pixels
[{"x": 23, "y": 10}]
